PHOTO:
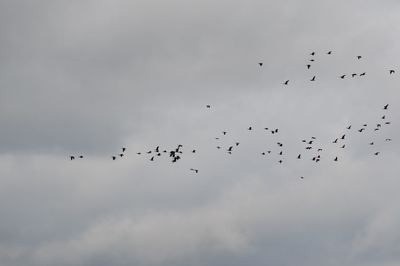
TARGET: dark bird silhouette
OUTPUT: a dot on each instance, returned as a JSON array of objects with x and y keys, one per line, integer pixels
[
  {"x": 72, "y": 158},
  {"x": 230, "y": 148},
  {"x": 279, "y": 144},
  {"x": 193, "y": 151},
  {"x": 276, "y": 130},
  {"x": 383, "y": 117},
  {"x": 250, "y": 128},
  {"x": 237, "y": 143},
  {"x": 80, "y": 156},
  {"x": 218, "y": 147},
  {"x": 313, "y": 138},
  {"x": 349, "y": 127},
  {"x": 308, "y": 148},
  {"x": 280, "y": 153},
  {"x": 299, "y": 156},
  {"x": 152, "y": 158},
  {"x": 313, "y": 79},
  {"x": 224, "y": 132},
  {"x": 217, "y": 138},
  {"x": 376, "y": 153},
  {"x": 359, "y": 57},
  {"x": 388, "y": 139},
  {"x": 336, "y": 159},
  {"x": 391, "y": 71},
  {"x": 260, "y": 63},
  {"x": 319, "y": 150},
  {"x": 123, "y": 149},
  {"x": 371, "y": 143},
  {"x": 149, "y": 152},
  {"x": 157, "y": 148},
  {"x": 363, "y": 74},
  {"x": 194, "y": 170},
  {"x": 342, "y": 76},
  {"x": 265, "y": 128},
  {"x": 344, "y": 145},
  {"x": 301, "y": 177},
  {"x": 280, "y": 161},
  {"x": 286, "y": 82},
  {"x": 330, "y": 52},
  {"x": 335, "y": 141},
  {"x": 138, "y": 153},
  {"x": 365, "y": 125},
  {"x": 385, "y": 107},
  {"x": 387, "y": 123},
  {"x": 121, "y": 155},
  {"x": 310, "y": 142},
  {"x": 313, "y": 53},
  {"x": 378, "y": 125},
  {"x": 361, "y": 129},
  {"x": 263, "y": 153},
  {"x": 308, "y": 66},
  {"x": 114, "y": 157},
  {"x": 344, "y": 135},
  {"x": 208, "y": 106},
  {"x": 353, "y": 75}
]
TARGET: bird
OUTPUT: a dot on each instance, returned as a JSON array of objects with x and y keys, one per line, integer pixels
[
  {"x": 383, "y": 117},
  {"x": 387, "y": 123},
  {"x": 359, "y": 57},
  {"x": 123, "y": 149},
  {"x": 344, "y": 135},
  {"x": 391, "y": 71},
  {"x": 299, "y": 156},
  {"x": 157, "y": 149},
  {"x": 286, "y": 82},
  {"x": 138, "y": 153},
  {"x": 313, "y": 79},
  {"x": 260, "y": 64},
  {"x": 363, "y": 74},
  {"x": 361, "y": 130},
  {"x": 237, "y": 143},
  {"x": 250, "y": 128},
  {"x": 376, "y": 153},
  {"x": 319, "y": 150},
  {"x": 301, "y": 177},
  {"x": 280, "y": 153},
  {"x": 72, "y": 157},
  {"x": 388, "y": 139},
  {"x": 336, "y": 159},
  {"x": 224, "y": 132},
  {"x": 371, "y": 143},
  {"x": 193, "y": 151},
  {"x": 349, "y": 127},
  {"x": 152, "y": 158},
  {"x": 230, "y": 148},
  {"x": 342, "y": 76},
  {"x": 344, "y": 145},
  {"x": 276, "y": 130},
  {"x": 335, "y": 141},
  {"x": 80, "y": 156},
  {"x": 313, "y": 53},
  {"x": 330, "y": 52},
  {"x": 280, "y": 161},
  {"x": 218, "y": 147},
  {"x": 263, "y": 153},
  {"x": 265, "y": 128},
  {"x": 308, "y": 66},
  {"x": 114, "y": 157},
  {"x": 208, "y": 106},
  {"x": 121, "y": 155},
  {"x": 385, "y": 107},
  {"x": 312, "y": 60},
  {"x": 194, "y": 170},
  {"x": 353, "y": 75}
]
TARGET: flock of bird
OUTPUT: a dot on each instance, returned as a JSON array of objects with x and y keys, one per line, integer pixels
[{"x": 176, "y": 153}]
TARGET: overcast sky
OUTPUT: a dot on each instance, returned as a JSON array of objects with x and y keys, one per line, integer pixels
[{"x": 89, "y": 77}]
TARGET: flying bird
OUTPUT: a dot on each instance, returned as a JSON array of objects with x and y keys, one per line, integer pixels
[
  {"x": 391, "y": 71},
  {"x": 385, "y": 107},
  {"x": 359, "y": 57},
  {"x": 363, "y": 74},
  {"x": 114, "y": 157},
  {"x": 308, "y": 66},
  {"x": 330, "y": 52},
  {"x": 72, "y": 158},
  {"x": 336, "y": 159},
  {"x": 123, "y": 149},
  {"x": 313, "y": 79},
  {"x": 260, "y": 64},
  {"x": 353, "y": 75},
  {"x": 194, "y": 170},
  {"x": 286, "y": 82},
  {"x": 208, "y": 106},
  {"x": 342, "y": 77}
]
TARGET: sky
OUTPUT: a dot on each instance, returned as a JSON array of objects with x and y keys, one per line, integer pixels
[{"x": 90, "y": 77}]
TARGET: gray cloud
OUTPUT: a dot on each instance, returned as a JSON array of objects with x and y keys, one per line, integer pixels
[{"x": 90, "y": 77}]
